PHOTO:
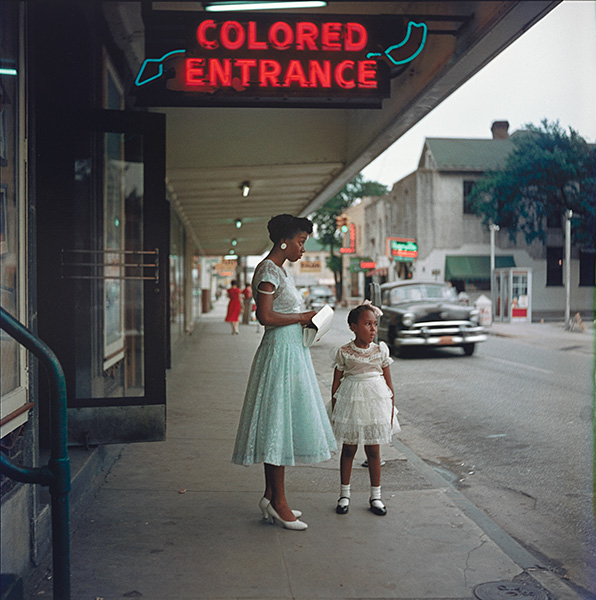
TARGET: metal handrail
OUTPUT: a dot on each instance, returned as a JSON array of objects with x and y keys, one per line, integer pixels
[{"x": 56, "y": 474}]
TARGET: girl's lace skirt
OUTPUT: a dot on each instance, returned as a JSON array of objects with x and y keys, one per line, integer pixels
[
  {"x": 363, "y": 408},
  {"x": 283, "y": 419}
]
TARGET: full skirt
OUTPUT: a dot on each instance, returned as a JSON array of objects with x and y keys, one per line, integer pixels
[
  {"x": 363, "y": 409},
  {"x": 283, "y": 419}
]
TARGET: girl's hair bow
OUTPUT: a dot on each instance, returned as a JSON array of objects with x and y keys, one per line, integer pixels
[{"x": 372, "y": 307}]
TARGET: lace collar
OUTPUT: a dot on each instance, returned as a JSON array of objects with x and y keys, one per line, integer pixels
[{"x": 362, "y": 350}]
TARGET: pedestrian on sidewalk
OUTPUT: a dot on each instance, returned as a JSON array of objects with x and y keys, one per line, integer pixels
[
  {"x": 234, "y": 306},
  {"x": 247, "y": 309},
  {"x": 283, "y": 419},
  {"x": 362, "y": 403}
]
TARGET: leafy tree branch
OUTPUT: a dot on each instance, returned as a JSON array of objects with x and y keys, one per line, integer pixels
[{"x": 549, "y": 171}]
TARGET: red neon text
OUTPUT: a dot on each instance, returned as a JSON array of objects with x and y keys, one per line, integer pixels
[
  {"x": 349, "y": 37},
  {"x": 215, "y": 73}
]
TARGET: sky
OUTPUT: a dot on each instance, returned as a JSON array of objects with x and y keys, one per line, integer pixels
[{"x": 549, "y": 72}]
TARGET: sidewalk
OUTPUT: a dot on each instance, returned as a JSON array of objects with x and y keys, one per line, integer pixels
[
  {"x": 177, "y": 520},
  {"x": 550, "y": 334}
]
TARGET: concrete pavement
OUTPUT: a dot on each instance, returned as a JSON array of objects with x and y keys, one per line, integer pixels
[{"x": 177, "y": 520}]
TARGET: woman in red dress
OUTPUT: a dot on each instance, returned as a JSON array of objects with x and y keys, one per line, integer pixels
[{"x": 234, "y": 306}]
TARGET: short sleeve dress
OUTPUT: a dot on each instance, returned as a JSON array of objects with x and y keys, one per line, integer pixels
[
  {"x": 233, "y": 312},
  {"x": 283, "y": 419},
  {"x": 363, "y": 408}
]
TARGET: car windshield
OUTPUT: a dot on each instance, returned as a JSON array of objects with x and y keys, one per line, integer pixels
[{"x": 407, "y": 293}]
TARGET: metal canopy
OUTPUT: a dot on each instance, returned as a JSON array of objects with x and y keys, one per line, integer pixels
[{"x": 296, "y": 159}]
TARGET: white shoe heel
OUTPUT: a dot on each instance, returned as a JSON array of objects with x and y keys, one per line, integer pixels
[
  {"x": 264, "y": 503},
  {"x": 296, "y": 525}
]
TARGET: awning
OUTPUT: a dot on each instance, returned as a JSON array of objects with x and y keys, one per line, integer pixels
[
  {"x": 381, "y": 271},
  {"x": 473, "y": 268}
]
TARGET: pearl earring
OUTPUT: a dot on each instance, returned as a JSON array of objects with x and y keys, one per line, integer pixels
[{"x": 283, "y": 246}]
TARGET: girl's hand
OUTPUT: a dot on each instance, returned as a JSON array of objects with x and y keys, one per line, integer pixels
[{"x": 306, "y": 317}]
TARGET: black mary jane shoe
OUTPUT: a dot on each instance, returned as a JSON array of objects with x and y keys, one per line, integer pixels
[
  {"x": 377, "y": 510},
  {"x": 342, "y": 510}
]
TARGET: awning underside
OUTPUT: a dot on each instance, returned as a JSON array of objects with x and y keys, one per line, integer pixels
[{"x": 473, "y": 268}]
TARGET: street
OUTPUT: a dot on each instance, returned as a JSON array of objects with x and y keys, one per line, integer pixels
[{"x": 511, "y": 428}]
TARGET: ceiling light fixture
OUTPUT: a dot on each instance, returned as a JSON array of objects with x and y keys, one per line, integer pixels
[
  {"x": 245, "y": 187},
  {"x": 234, "y": 242},
  {"x": 238, "y": 223},
  {"x": 233, "y": 6}
]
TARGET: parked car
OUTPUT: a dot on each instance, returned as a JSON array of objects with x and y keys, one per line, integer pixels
[
  {"x": 417, "y": 314},
  {"x": 318, "y": 296}
]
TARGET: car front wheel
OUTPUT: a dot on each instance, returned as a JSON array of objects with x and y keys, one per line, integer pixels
[{"x": 469, "y": 349}]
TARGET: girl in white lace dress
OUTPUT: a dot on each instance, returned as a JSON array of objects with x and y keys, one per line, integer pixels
[{"x": 363, "y": 409}]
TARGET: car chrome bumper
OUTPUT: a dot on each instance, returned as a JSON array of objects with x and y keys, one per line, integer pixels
[{"x": 445, "y": 334}]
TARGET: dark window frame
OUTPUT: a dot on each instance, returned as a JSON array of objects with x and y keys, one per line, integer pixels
[
  {"x": 587, "y": 267},
  {"x": 468, "y": 185},
  {"x": 554, "y": 266}
]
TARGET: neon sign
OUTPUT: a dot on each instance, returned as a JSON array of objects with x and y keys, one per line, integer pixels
[
  {"x": 273, "y": 59},
  {"x": 351, "y": 249},
  {"x": 402, "y": 249}
]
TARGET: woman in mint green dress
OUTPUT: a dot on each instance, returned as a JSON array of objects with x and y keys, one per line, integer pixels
[{"x": 283, "y": 419}]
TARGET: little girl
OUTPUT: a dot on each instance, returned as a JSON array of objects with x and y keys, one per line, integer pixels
[{"x": 363, "y": 410}]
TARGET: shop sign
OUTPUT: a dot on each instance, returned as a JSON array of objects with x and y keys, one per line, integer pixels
[
  {"x": 273, "y": 59},
  {"x": 310, "y": 266},
  {"x": 359, "y": 264},
  {"x": 226, "y": 268},
  {"x": 402, "y": 249}
]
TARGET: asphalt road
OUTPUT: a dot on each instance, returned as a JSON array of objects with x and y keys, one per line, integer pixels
[{"x": 511, "y": 427}]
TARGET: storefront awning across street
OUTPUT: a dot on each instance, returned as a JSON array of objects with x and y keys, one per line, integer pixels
[{"x": 473, "y": 268}]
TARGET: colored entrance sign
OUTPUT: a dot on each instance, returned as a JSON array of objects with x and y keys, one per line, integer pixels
[
  {"x": 402, "y": 249},
  {"x": 273, "y": 59}
]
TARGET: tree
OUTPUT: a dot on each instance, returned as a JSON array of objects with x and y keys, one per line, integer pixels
[
  {"x": 548, "y": 171},
  {"x": 324, "y": 219}
]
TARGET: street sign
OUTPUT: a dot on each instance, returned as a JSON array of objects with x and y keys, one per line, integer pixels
[{"x": 359, "y": 264}]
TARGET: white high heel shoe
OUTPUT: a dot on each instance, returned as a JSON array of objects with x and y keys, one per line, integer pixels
[
  {"x": 296, "y": 525},
  {"x": 264, "y": 503}
]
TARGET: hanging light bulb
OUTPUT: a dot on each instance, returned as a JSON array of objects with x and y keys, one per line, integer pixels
[
  {"x": 238, "y": 223},
  {"x": 245, "y": 188}
]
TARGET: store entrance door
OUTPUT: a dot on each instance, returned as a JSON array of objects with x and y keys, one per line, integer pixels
[{"x": 113, "y": 279}]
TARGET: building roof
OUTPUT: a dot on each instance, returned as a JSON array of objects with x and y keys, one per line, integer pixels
[
  {"x": 313, "y": 245},
  {"x": 451, "y": 154}
]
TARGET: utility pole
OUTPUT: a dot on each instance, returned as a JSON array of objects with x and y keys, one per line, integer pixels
[
  {"x": 493, "y": 229},
  {"x": 568, "y": 215}
]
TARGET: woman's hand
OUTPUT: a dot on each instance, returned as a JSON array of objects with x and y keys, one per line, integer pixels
[{"x": 306, "y": 317}]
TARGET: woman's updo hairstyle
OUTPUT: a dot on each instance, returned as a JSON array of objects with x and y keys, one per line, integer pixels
[{"x": 287, "y": 226}]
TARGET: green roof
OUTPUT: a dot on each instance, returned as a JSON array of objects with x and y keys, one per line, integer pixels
[
  {"x": 468, "y": 154},
  {"x": 313, "y": 245}
]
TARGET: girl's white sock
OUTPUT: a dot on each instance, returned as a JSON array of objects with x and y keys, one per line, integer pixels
[
  {"x": 344, "y": 495},
  {"x": 375, "y": 492}
]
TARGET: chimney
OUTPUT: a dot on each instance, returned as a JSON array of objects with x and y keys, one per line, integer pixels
[{"x": 500, "y": 130}]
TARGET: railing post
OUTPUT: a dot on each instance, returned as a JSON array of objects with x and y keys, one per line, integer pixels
[{"x": 57, "y": 473}]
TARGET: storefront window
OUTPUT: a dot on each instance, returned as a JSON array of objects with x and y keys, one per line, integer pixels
[
  {"x": 12, "y": 219},
  {"x": 108, "y": 272}
]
